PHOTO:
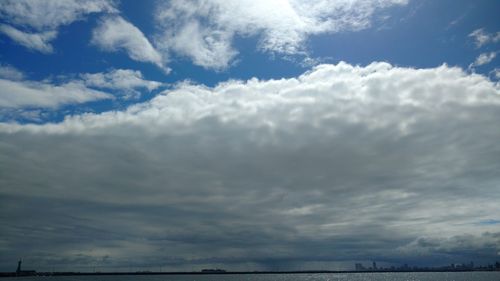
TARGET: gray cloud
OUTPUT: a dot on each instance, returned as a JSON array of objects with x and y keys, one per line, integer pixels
[{"x": 342, "y": 163}]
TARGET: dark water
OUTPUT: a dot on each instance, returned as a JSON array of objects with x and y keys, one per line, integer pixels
[{"x": 400, "y": 276}]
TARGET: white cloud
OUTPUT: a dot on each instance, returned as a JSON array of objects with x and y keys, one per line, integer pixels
[
  {"x": 484, "y": 58},
  {"x": 496, "y": 73},
  {"x": 374, "y": 86},
  {"x": 35, "y": 101},
  {"x": 127, "y": 81},
  {"x": 42, "y": 19},
  {"x": 204, "y": 30},
  {"x": 51, "y": 14},
  {"x": 39, "y": 41},
  {"x": 481, "y": 37},
  {"x": 21, "y": 94},
  {"x": 207, "y": 48},
  {"x": 11, "y": 73},
  {"x": 115, "y": 33},
  {"x": 122, "y": 79}
]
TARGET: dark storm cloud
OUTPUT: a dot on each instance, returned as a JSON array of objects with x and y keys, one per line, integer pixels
[{"x": 340, "y": 164}]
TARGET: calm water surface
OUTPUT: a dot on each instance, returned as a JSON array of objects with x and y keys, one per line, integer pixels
[{"x": 400, "y": 276}]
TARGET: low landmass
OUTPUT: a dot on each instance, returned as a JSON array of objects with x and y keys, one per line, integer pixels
[{"x": 359, "y": 269}]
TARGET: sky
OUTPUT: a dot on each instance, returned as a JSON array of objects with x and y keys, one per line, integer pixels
[{"x": 248, "y": 135}]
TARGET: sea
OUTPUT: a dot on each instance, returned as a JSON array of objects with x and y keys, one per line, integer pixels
[{"x": 393, "y": 276}]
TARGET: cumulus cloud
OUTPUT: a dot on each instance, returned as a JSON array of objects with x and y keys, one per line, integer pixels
[
  {"x": 342, "y": 163},
  {"x": 204, "y": 30},
  {"x": 40, "y": 20},
  {"x": 481, "y": 37},
  {"x": 115, "y": 33}
]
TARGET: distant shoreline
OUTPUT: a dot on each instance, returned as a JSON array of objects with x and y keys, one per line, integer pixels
[{"x": 14, "y": 274}]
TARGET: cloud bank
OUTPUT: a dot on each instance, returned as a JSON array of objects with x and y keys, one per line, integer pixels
[{"x": 343, "y": 163}]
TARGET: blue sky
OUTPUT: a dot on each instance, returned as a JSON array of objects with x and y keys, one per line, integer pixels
[{"x": 247, "y": 135}]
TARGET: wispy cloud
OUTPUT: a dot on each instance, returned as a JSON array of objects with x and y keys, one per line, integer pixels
[
  {"x": 39, "y": 41},
  {"x": 22, "y": 94},
  {"x": 11, "y": 73},
  {"x": 481, "y": 37},
  {"x": 483, "y": 59},
  {"x": 127, "y": 81},
  {"x": 496, "y": 73},
  {"x": 204, "y": 30},
  {"x": 115, "y": 33},
  {"x": 33, "y": 24},
  {"x": 24, "y": 98}
]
